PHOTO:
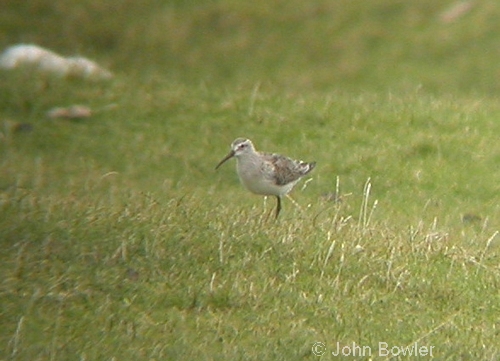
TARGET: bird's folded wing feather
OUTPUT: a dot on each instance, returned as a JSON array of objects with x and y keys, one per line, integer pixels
[{"x": 283, "y": 170}]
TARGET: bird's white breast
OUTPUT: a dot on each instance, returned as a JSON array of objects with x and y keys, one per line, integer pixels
[{"x": 258, "y": 176}]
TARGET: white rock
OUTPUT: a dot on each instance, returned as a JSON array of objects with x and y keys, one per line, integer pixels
[{"x": 47, "y": 61}]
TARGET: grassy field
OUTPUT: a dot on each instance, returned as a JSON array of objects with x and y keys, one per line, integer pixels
[{"x": 121, "y": 242}]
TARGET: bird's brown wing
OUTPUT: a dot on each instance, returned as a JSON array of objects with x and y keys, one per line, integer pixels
[{"x": 286, "y": 170}]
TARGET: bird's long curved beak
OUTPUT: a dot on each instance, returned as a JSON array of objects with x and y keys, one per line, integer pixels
[{"x": 229, "y": 156}]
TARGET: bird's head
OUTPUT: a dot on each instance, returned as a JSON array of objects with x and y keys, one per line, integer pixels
[{"x": 238, "y": 147}]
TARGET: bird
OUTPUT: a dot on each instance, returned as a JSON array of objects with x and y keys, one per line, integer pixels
[{"x": 266, "y": 174}]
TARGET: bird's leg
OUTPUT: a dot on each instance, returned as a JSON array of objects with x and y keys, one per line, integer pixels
[{"x": 278, "y": 206}]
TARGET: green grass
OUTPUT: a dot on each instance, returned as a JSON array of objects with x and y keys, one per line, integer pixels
[{"x": 121, "y": 241}]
